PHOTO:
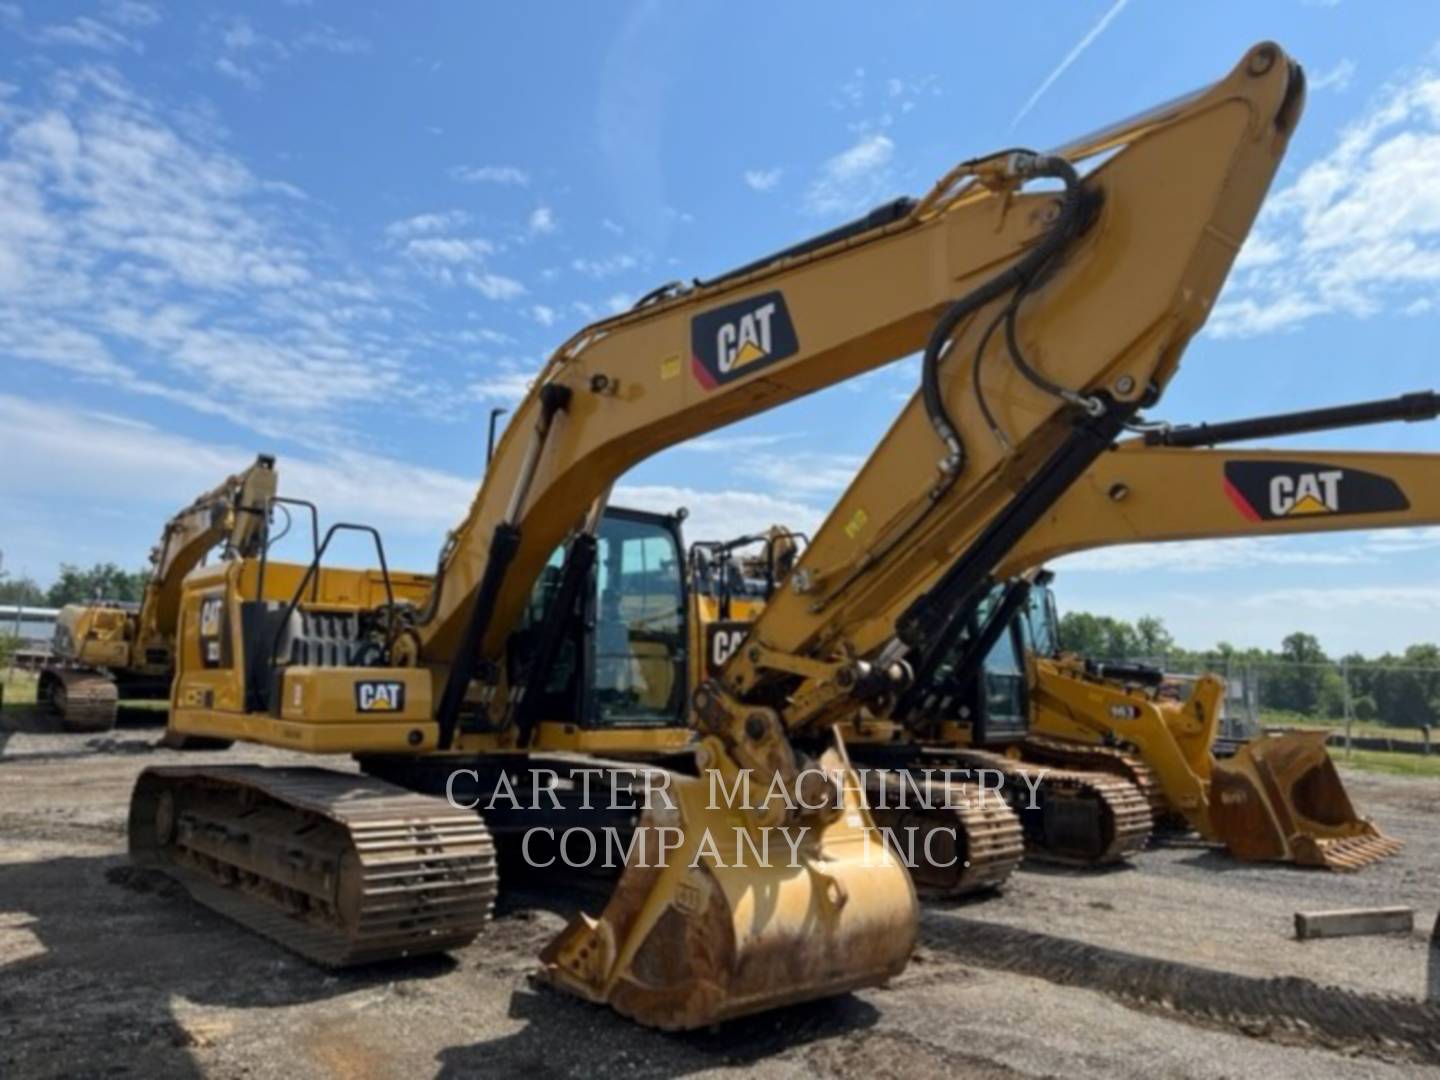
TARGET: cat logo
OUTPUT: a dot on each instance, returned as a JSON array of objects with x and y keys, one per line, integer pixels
[
  {"x": 210, "y": 609},
  {"x": 374, "y": 696},
  {"x": 1271, "y": 490},
  {"x": 722, "y": 638},
  {"x": 738, "y": 339},
  {"x": 1308, "y": 493}
]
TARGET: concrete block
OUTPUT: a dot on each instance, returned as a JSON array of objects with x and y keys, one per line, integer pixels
[{"x": 1347, "y": 922}]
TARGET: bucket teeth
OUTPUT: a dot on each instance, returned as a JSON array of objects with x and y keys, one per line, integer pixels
[{"x": 1354, "y": 852}]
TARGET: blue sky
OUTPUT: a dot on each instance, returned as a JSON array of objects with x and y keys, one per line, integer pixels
[{"x": 342, "y": 233}]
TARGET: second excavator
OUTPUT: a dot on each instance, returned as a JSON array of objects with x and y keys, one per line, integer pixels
[
  {"x": 107, "y": 650},
  {"x": 1277, "y": 798}
]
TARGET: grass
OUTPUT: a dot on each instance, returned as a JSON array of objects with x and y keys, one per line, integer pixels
[
  {"x": 19, "y": 687},
  {"x": 1367, "y": 728},
  {"x": 1393, "y": 764}
]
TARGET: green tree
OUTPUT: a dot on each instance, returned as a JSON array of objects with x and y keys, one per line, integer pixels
[
  {"x": 8, "y": 644},
  {"x": 1296, "y": 683},
  {"x": 103, "y": 581},
  {"x": 21, "y": 590},
  {"x": 1154, "y": 639},
  {"x": 1098, "y": 636}
]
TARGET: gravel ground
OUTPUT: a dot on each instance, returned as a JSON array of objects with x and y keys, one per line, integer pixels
[{"x": 104, "y": 971}]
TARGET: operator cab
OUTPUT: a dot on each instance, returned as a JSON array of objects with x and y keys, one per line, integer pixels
[{"x": 622, "y": 661}]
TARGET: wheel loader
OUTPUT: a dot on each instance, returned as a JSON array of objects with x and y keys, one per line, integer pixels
[
  {"x": 1098, "y": 280},
  {"x": 105, "y": 650}
]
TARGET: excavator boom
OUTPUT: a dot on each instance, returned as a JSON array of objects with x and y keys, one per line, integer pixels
[
  {"x": 1277, "y": 798},
  {"x": 101, "y": 648}
]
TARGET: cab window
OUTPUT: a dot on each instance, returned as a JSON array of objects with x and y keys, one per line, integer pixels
[{"x": 639, "y": 639}]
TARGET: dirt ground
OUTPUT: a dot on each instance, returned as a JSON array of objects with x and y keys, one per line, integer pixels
[{"x": 1182, "y": 964}]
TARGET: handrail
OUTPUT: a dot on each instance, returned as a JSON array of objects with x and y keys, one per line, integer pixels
[{"x": 313, "y": 572}]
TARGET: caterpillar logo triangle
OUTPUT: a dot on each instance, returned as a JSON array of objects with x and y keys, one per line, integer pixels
[
  {"x": 748, "y": 354},
  {"x": 1267, "y": 490},
  {"x": 733, "y": 341},
  {"x": 1310, "y": 505}
]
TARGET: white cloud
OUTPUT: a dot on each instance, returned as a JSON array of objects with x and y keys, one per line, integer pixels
[
  {"x": 427, "y": 224},
  {"x": 606, "y": 267},
  {"x": 542, "y": 220},
  {"x": 1340, "y": 548},
  {"x": 490, "y": 174},
  {"x": 52, "y": 450},
  {"x": 730, "y": 444},
  {"x": 85, "y": 33},
  {"x": 131, "y": 13},
  {"x": 1357, "y": 233},
  {"x": 138, "y": 253},
  {"x": 495, "y": 286},
  {"x": 719, "y": 515},
  {"x": 448, "y": 249},
  {"x": 246, "y": 55},
  {"x": 543, "y": 315},
  {"x": 1208, "y": 556},
  {"x": 800, "y": 474},
  {"x": 1371, "y": 599},
  {"x": 327, "y": 39},
  {"x": 1337, "y": 78},
  {"x": 852, "y": 180},
  {"x": 612, "y": 226},
  {"x": 507, "y": 387},
  {"x": 762, "y": 179}
]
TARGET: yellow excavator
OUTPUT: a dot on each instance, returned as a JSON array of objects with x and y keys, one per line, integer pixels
[
  {"x": 106, "y": 650},
  {"x": 1277, "y": 798},
  {"x": 1006, "y": 684},
  {"x": 1047, "y": 318}
]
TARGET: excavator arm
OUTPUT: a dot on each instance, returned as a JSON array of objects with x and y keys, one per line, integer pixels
[
  {"x": 1144, "y": 493},
  {"x": 1045, "y": 321},
  {"x": 103, "y": 648},
  {"x": 1088, "y": 314},
  {"x": 1276, "y": 798},
  {"x": 232, "y": 513}
]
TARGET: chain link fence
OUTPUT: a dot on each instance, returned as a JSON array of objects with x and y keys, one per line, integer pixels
[{"x": 1366, "y": 705}]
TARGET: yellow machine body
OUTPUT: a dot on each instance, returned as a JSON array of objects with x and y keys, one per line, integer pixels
[
  {"x": 105, "y": 650},
  {"x": 1111, "y": 295}
]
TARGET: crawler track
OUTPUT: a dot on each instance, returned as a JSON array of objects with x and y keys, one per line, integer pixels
[
  {"x": 1286, "y": 1009},
  {"x": 980, "y": 837},
  {"x": 341, "y": 869},
  {"x": 84, "y": 700},
  {"x": 1082, "y": 818},
  {"x": 1108, "y": 759}
]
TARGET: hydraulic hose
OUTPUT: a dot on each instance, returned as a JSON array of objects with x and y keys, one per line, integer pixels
[{"x": 1025, "y": 166}]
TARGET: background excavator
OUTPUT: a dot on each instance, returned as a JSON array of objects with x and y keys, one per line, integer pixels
[
  {"x": 1277, "y": 798},
  {"x": 107, "y": 650},
  {"x": 1097, "y": 287},
  {"x": 1007, "y": 684}
]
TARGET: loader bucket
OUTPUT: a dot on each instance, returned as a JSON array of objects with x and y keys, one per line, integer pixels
[
  {"x": 712, "y": 932},
  {"x": 1280, "y": 800}
]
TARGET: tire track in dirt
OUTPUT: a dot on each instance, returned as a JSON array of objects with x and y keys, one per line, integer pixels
[{"x": 1285, "y": 1009}]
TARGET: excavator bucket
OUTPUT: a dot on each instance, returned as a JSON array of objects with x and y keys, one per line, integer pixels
[
  {"x": 1280, "y": 800},
  {"x": 700, "y": 930}
]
